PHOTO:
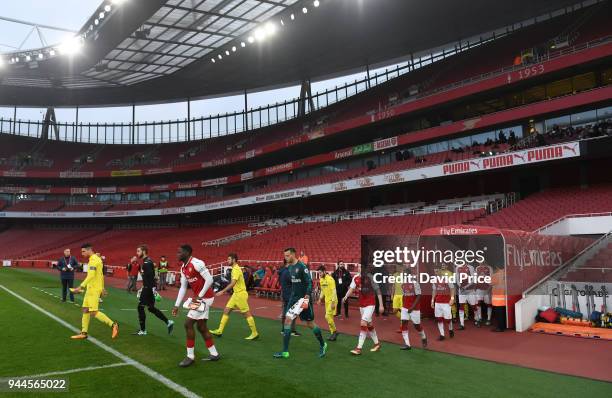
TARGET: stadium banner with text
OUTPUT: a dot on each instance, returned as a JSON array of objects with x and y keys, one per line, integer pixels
[
  {"x": 506, "y": 160},
  {"x": 126, "y": 173}
]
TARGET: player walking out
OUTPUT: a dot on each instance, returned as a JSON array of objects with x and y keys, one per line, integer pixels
[
  {"x": 411, "y": 296},
  {"x": 147, "y": 295},
  {"x": 94, "y": 283},
  {"x": 328, "y": 293},
  {"x": 238, "y": 301},
  {"x": 300, "y": 303},
  {"x": 195, "y": 274},
  {"x": 368, "y": 291},
  {"x": 443, "y": 297},
  {"x": 466, "y": 292},
  {"x": 483, "y": 293}
]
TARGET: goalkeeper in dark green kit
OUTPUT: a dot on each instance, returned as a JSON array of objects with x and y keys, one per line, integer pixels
[{"x": 300, "y": 303}]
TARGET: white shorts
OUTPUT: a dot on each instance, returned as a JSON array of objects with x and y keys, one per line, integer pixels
[
  {"x": 199, "y": 315},
  {"x": 414, "y": 316},
  {"x": 367, "y": 313},
  {"x": 295, "y": 310},
  {"x": 469, "y": 297},
  {"x": 442, "y": 310},
  {"x": 483, "y": 295}
]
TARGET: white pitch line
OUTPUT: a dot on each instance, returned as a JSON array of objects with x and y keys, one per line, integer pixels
[
  {"x": 65, "y": 372},
  {"x": 143, "y": 368}
]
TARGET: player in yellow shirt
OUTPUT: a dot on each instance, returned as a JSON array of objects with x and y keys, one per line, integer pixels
[
  {"x": 94, "y": 283},
  {"x": 328, "y": 292},
  {"x": 398, "y": 293},
  {"x": 238, "y": 301}
]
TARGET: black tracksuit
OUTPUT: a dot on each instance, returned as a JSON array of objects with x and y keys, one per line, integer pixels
[
  {"x": 342, "y": 274},
  {"x": 147, "y": 299}
]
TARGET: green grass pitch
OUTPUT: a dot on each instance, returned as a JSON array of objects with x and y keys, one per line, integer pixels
[{"x": 33, "y": 343}]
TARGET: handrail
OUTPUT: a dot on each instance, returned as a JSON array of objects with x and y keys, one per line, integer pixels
[
  {"x": 183, "y": 127},
  {"x": 567, "y": 264},
  {"x": 578, "y": 215}
]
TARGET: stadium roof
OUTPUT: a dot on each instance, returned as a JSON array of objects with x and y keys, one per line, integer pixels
[{"x": 151, "y": 51}]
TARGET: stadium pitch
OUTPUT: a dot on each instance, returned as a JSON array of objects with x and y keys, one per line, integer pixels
[{"x": 36, "y": 330}]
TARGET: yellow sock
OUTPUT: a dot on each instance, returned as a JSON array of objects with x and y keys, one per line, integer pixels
[
  {"x": 104, "y": 319},
  {"x": 224, "y": 321},
  {"x": 85, "y": 322},
  {"x": 332, "y": 324},
  {"x": 251, "y": 321}
]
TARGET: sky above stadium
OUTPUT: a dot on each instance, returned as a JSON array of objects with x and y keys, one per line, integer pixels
[
  {"x": 67, "y": 14},
  {"x": 71, "y": 15}
]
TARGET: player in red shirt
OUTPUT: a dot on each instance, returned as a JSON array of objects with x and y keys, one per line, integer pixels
[
  {"x": 195, "y": 274},
  {"x": 368, "y": 291},
  {"x": 443, "y": 297},
  {"x": 410, "y": 310},
  {"x": 467, "y": 294},
  {"x": 483, "y": 292}
]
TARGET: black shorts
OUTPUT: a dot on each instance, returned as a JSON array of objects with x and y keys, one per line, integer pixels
[{"x": 146, "y": 297}]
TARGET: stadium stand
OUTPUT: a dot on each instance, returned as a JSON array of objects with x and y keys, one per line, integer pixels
[
  {"x": 492, "y": 56},
  {"x": 544, "y": 207},
  {"x": 326, "y": 237}
]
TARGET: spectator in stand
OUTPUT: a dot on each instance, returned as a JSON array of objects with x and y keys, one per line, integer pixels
[
  {"x": 133, "y": 268},
  {"x": 512, "y": 139},
  {"x": 163, "y": 272},
  {"x": 303, "y": 258},
  {"x": 258, "y": 276},
  {"x": 66, "y": 265},
  {"x": 342, "y": 277}
]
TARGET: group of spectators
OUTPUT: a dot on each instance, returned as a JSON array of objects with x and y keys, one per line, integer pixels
[
  {"x": 161, "y": 273},
  {"x": 565, "y": 133}
]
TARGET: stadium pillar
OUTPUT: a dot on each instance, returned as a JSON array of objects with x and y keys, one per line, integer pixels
[
  {"x": 305, "y": 95},
  {"x": 50, "y": 121},
  {"x": 246, "y": 113},
  {"x": 188, "y": 119},
  {"x": 14, "y": 120},
  {"x": 368, "y": 75},
  {"x": 133, "y": 124},
  {"x": 76, "y": 125}
]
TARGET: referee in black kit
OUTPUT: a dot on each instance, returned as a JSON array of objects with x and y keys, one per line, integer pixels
[{"x": 147, "y": 296}]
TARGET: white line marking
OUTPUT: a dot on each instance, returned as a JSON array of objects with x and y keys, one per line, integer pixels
[
  {"x": 261, "y": 308},
  {"x": 144, "y": 369},
  {"x": 65, "y": 372}
]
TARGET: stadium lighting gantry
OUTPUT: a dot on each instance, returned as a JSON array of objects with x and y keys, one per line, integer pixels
[
  {"x": 267, "y": 29},
  {"x": 71, "y": 46}
]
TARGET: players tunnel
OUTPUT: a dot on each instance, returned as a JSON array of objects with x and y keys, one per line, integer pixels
[{"x": 517, "y": 259}]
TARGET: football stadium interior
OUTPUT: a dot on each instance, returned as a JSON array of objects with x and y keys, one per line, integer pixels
[{"x": 442, "y": 123}]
